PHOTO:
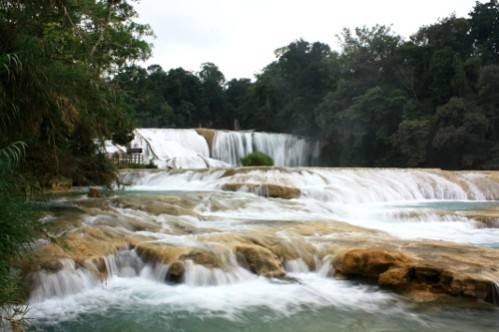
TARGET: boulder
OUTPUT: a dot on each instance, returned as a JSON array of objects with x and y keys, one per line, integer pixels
[
  {"x": 415, "y": 276},
  {"x": 165, "y": 254},
  {"x": 175, "y": 272},
  {"x": 260, "y": 260},
  {"x": 60, "y": 185},
  {"x": 95, "y": 192},
  {"x": 174, "y": 206},
  {"x": 205, "y": 258},
  {"x": 264, "y": 189},
  {"x": 369, "y": 263}
]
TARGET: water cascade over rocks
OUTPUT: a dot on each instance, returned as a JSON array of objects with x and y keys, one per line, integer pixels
[
  {"x": 189, "y": 148},
  {"x": 272, "y": 248}
]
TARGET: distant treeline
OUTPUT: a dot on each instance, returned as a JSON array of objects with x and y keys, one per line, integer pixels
[{"x": 430, "y": 101}]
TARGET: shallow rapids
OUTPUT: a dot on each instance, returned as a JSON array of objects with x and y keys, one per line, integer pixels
[{"x": 263, "y": 250}]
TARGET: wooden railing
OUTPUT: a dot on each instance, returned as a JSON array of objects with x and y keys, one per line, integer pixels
[{"x": 132, "y": 156}]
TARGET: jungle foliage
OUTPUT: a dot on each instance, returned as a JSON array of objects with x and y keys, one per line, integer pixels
[
  {"x": 430, "y": 101},
  {"x": 57, "y": 60}
]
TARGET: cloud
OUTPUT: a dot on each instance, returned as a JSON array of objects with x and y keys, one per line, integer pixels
[{"x": 240, "y": 36}]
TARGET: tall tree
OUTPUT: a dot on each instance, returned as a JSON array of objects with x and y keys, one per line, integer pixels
[
  {"x": 218, "y": 110},
  {"x": 484, "y": 21},
  {"x": 184, "y": 93},
  {"x": 366, "y": 57},
  {"x": 236, "y": 90}
]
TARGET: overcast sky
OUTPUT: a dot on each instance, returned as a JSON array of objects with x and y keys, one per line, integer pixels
[{"x": 240, "y": 36}]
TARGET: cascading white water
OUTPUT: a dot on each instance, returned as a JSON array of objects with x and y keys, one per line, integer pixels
[
  {"x": 124, "y": 263},
  {"x": 199, "y": 275},
  {"x": 342, "y": 185},
  {"x": 174, "y": 148},
  {"x": 231, "y": 146},
  {"x": 216, "y": 238},
  {"x": 286, "y": 150},
  {"x": 376, "y": 198},
  {"x": 70, "y": 279},
  {"x": 185, "y": 148}
]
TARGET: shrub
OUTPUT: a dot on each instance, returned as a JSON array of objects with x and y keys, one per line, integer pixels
[
  {"x": 257, "y": 158},
  {"x": 18, "y": 227}
]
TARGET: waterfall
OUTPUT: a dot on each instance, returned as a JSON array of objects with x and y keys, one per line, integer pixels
[
  {"x": 174, "y": 148},
  {"x": 186, "y": 148},
  {"x": 199, "y": 275},
  {"x": 190, "y": 249},
  {"x": 347, "y": 185},
  {"x": 297, "y": 265},
  {"x": 231, "y": 146},
  {"x": 286, "y": 150},
  {"x": 70, "y": 279},
  {"x": 124, "y": 263}
]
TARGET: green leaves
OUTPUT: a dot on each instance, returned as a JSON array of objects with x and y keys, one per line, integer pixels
[
  {"x": 12, "y": 153},
  {"x": 257, "y": 158},
  {"x": 18, "y": 224},
  {"x": 9, "y": 63},
  {"x": 56, "y": 60}
]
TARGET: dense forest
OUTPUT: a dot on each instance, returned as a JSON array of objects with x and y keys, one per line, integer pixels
[
  {"x": 57, "y": 60},
  {"x": 430, "y": 101}
]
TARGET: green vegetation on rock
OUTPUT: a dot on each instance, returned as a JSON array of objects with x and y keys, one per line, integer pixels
[{"x": 257, "y": 158}]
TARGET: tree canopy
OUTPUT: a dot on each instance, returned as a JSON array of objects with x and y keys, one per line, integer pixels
[
  {"x": 57, "y": 60},
  {"x": 69, "y": 77}
]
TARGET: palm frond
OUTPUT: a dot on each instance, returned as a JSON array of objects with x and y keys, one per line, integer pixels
[{"x": 13, "y": 152}]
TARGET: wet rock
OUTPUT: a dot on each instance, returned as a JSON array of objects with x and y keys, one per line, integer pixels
[
  {"x": 59, "y": 185},
  {"x": 264, "y": 189},
  {"x": 175, "y": 272},
  {"x": 85, "y": 248},
  {"x": 95, "y": 193},
  {"x": 205, "y": 258},
  {"x": 52, "y": 266},
  {"x": 415, "y": 276},
  {"x": 369, "y": 263},
  {"x": 208, "y": 134},
  {"x": 165, "y": 254},
  {"x": 174, "y": 206},
  {"x": 260, "y": 260}
]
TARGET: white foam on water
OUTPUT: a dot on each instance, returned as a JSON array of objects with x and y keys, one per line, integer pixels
[
  {"x": 69, "y": 280},
  {"x": 347, "y": 186},
  {"x": 187, "y": 180},
  {"x": 408, "y": 204},
  {"x": 419, "y": 223},
  {"x": 174, "y": 148},
  {"x": 369, "y": 198},
  {"x": 226, "y": 300},
  {"x": 199, "y": 275},
  {"x": 297, "y": 265}
]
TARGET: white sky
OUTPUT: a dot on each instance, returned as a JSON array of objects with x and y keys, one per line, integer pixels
[{"x": 240, "y": 36}]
